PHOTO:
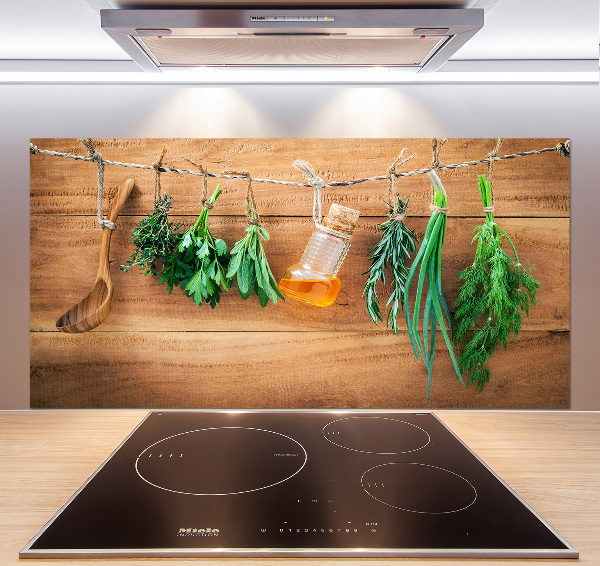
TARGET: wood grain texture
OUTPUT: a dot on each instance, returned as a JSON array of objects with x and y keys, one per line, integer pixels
[
  {"x": 151, "y": 350},
  {"x": 283, "y": 369},
  {"x": 59, "y": 280},
  {"x": 529, "y": 186},
  {"x": 550, "y": 458}
]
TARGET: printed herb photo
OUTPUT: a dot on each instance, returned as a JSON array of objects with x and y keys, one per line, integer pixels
[{"x": 300, "y": 273}]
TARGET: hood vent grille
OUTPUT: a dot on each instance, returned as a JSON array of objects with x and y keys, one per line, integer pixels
[
  {"x": 290, "y": 51},
  {"x": 418, "y": 39}
]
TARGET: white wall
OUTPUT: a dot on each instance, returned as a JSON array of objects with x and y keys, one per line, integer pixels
[{"x": 502, "y": 110}]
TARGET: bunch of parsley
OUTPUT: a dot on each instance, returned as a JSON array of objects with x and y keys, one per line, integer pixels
[
  {"x": 200, "y": 262},
  {"x": 497, "y": 289}
]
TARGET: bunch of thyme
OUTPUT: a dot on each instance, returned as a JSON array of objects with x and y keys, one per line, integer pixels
[
  {"x": 497, "y": 289},
  {"x": 397, "y": 243},
  {"x": 154, "y": 240}
]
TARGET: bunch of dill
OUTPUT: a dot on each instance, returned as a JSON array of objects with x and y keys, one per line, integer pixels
[{"x": 497, "y": 289}]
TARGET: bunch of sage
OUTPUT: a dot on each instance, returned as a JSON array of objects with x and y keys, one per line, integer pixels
[{"x": 249, "y": 263}]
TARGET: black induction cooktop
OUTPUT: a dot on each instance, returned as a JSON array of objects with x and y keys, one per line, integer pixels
[{"x": 267, "y": 483}]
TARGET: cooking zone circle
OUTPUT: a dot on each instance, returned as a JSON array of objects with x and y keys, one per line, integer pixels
[
  {"x": 418, "y": 488},
  {"x": 221, "y": 461},
  {"x": 376, "y": 435}
]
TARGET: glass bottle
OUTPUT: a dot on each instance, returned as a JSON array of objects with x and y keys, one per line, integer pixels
[{"x": 314, "y": 279}]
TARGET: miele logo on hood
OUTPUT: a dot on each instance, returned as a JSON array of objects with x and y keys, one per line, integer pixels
[{"x": 193, "y": 532}]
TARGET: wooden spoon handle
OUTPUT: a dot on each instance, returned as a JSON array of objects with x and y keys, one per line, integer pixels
[{"x": 119, "y": 200}]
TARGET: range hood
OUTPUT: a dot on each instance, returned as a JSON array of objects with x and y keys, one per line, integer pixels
[{"x": 414, "y": 39}]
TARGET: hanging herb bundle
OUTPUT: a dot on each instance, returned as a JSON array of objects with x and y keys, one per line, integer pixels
[
  {"x": 200, "y": 262},
  {"x": 397, "y": 244},
  {"x": 248, "y": 259},
  {"x": 428, "y": 260},
  {"x": 249, "y": 265},
  {"x": 154, "y": 239},
  {"x": 496, "y": 291}
]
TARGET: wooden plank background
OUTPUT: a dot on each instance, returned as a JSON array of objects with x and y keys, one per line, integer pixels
[{"x": 160, "y": 350}]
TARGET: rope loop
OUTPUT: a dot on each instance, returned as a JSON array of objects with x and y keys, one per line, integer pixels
[
  {"x": 317, "y": 184},
  {"x": 33, "y": 149},
  {"x": 436, "y": 147},
  {"x": 204, "y": 173},
  {"x": 392, "y": 194},
  {"x": 491, "y": 155},
  {"x": 251, "y": 210},
  {"x": 156, "y": 166},
  {"x": 97, "y": 157}
]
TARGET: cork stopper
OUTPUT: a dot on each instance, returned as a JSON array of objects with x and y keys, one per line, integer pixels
[{"x": 343, "y": 215}]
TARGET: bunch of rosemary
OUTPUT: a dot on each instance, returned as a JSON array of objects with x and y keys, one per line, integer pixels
[
  {"x": 154, "y": 240},
  {"x": 429, "y": 258},
  {"x": 397, "y": 243},
  {"x": 200, "y": 262},
  {"x": 496, "y": 290},
  {"x": 249, "y": 265}
]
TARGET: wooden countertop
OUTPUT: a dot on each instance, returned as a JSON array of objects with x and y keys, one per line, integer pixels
[{"x": 551, "y": 459}]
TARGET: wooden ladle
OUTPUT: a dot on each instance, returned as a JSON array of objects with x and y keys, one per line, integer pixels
[{"x": 93, "y": 309}]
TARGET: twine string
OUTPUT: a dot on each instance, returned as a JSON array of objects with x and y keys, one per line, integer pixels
[
  {"x": 440, "y": 209},
  {"x": 157, "y": 165},
  {"x": 491, "y": 155},
  {"x": 252, "y": 215},
  {"x": 204, "y": 194},
  {"x": 563, "y": 149},
  {"x": 317, "y": 184},
  {"x": 97, "y": 157},
  {"x": 436, "y": 148},
  {"x": 392, "y": 194}
]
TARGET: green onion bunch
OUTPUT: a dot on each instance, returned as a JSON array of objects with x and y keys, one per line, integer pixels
[{"x": 428, "y": 261}]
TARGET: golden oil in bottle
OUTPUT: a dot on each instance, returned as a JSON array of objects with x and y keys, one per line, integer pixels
[{"x": 314, "y": 279}]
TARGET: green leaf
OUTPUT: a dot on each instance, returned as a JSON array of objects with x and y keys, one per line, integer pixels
[
  {"x": 186, "y": 242},
  {"x": 221, "y": 247},
  {"x": 235, "y": 263},
  {"x": 204, "y": 250},
  {"x": 264, "y": 234},
  {"x": 263, "y": 298},
  {"x": 244, "y": 277}
]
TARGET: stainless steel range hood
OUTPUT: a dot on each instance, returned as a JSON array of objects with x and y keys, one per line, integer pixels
[{"x": 412, "y": 39}]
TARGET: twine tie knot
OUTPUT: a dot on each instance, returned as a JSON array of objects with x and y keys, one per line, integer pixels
[{"x": 564, "y": 149}]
